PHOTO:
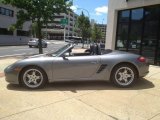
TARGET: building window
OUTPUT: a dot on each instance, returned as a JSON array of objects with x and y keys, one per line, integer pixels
[
  {"x": 4, "y": 31},
  {"x": 151, "y": 30},
  {"x": 135, "y": 33},
  {"x": 138, "y": 31},
  {"x": 70, "y": 29},
  {"x": 122, "y": 31},
  {"x": 22, "y": 33},
  {"x": 7, "y": 12}
]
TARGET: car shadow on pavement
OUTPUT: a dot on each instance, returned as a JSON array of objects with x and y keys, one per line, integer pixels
[{"x": 85, "y": 85}]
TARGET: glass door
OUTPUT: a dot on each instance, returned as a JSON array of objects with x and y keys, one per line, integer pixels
[
  {"x": 157, "y": 59},
  {"x": 150, "y": 35},
  {"x": 135, "y": 33}
]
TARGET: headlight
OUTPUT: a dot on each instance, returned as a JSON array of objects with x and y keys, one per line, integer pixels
[
  {"x": 17, "y": 69},
  {"x": 14, "y": 68}
]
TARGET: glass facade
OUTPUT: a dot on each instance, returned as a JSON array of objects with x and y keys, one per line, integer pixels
[{"x": 138, "y": 31}]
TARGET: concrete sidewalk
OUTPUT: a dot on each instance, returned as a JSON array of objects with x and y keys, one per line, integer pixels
[{"x": 81, "y": 100}]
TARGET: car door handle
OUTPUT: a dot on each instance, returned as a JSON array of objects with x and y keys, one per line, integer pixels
[{"x": 94, "y": 62}]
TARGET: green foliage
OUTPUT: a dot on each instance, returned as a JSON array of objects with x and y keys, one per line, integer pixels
[
  {"x": 34, "y": 29},
  {"x": 96, "y": 34},
  {"x": 84, "y": 26},
  {"x": 37, "y": 11}
]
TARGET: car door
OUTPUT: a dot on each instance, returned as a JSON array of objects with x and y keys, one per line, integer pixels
[{"x": 76, "y": 67}]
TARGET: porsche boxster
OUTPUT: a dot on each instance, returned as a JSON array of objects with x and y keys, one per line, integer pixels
[{"x": 121, "y": 68}]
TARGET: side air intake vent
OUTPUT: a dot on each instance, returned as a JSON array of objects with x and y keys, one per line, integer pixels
[{"x": 101, "y": 68}]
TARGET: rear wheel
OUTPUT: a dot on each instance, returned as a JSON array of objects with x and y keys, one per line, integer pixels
[
  {"x": 124, "y": 75},
  {"x": 33, "y": 77},
  {"x": 30, "y": 46}
]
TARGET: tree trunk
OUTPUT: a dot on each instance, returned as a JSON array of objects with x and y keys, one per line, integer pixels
[
  {"x": 40, "y": 39},
  {"x": 82, "y": 41}
]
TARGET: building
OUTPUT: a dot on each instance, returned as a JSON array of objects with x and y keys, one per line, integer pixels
[
  {"x": 55, "y": 30},
  {"x": 7, "y": 18},
  {"x": 103, "y": 28},
  {"x": 134, "y": 26}
]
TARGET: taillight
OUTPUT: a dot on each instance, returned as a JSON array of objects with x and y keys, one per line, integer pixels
[{"x": 141, "y": 59}]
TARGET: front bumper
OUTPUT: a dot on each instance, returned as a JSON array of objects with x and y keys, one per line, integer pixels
[{"x": 11, "y": 76}]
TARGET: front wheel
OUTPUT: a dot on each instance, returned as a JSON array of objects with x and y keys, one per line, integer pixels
[
  {"x": 33, "y": 77},
  {"x": 124, "y": 75}
]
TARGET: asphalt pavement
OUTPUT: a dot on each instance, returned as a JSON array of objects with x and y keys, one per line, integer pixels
[{"x": 6, "y": 51}]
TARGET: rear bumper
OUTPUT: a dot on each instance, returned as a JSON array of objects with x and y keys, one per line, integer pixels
[
  {"x": 143, "y": 70},
  {"x": 144, "y": 74}
]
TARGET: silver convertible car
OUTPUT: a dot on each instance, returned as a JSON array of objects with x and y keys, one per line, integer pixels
[{"x": 121, "y": 68}]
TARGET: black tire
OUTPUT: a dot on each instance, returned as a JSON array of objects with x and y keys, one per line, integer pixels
[
  {"x": 121, "y": 78},
  {"x": 30, "y": 46},
  {"x": 33, "y": 77}
]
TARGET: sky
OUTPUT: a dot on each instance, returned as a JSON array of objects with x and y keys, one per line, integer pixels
[{"x": 94, "y": 9}]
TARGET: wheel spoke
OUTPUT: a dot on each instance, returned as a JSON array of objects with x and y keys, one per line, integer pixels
[
  {"x": 128, "y": 75},
  {"x": 37, "y": 77},
  {"x": 29, "y": 81},
  {"x": 35, "y": 82},
  {"x": 125, "y": 70},
  {"x": 125, "y": 79},
  {"x": 29, "y": 76},
  {"x": 33, "y": 73},
  {"x": 120, "y": 79}
]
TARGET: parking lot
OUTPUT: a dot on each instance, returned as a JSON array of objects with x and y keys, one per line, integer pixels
[{"x": 96, "y": 100}]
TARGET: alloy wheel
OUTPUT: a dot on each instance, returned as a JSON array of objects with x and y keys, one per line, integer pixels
[
  {"x": 33, "y": 78},
  {"x": 124, "y": 76}
]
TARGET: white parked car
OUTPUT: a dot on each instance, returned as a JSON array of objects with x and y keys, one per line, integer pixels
[{"x": 35, "y": 43}]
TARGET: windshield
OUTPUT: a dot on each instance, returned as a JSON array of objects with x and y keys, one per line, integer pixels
[{"x": 59, "y": 51}]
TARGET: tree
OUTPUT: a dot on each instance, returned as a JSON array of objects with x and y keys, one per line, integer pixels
[
  {"x": 84, "y": 27},
  {"x": 96, "y": 34},
  {"x": 38, "y": 11},
  {"x": 34, "y": 30}
]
